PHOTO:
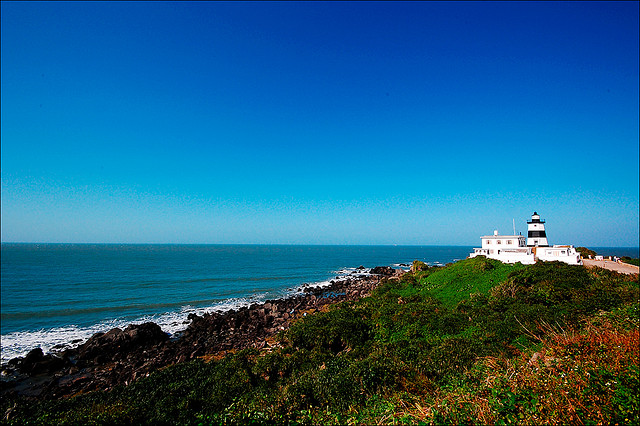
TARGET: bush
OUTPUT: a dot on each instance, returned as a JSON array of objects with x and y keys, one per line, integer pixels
[
  {"x": 548, "y": 283},
  {"x": 178, "y": 391},
  {"x": 419, "y": 266},
  {"x": 450, "y": 344},
  {"x": 585, "y": 252},
  {"x": 451, "y": 358},
  {"x": 333, "y": 331}
]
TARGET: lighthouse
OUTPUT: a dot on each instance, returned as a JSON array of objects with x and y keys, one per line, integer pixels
[
  {"x": 537, "y": 236},
  {"x": 514, "y": 248}
]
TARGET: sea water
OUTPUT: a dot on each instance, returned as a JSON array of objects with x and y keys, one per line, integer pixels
[{"x": 54, "y": 295}]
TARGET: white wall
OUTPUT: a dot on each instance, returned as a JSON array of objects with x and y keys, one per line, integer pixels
[{"x": 506, "y": 241}]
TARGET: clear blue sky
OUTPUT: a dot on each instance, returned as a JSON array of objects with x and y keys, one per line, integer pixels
[{"x": 319, "y": 123}]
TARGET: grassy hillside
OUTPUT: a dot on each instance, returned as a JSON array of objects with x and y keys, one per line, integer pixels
[
  {"x": 475, "y": 342},
  {"x": 460, "y": 280}
]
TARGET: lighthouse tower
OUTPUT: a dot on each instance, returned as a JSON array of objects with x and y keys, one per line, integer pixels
[{"x": 537, "y": 236}]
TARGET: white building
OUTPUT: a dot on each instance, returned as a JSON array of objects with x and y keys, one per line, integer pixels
[{"x": 515, "y": 248}]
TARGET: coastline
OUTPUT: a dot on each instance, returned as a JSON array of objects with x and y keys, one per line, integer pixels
[
  {"x": 53, "y": 294},
  {"x": 119, "y": 356}
]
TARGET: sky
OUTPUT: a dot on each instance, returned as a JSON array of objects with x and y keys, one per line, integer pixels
[{"x": 417, "y": 123}]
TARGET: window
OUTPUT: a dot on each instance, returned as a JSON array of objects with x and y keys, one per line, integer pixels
[
  {"x": 499, "y": 242},
  {"x": 509, "y": 242},
  {"x": 488, "y": 241}
]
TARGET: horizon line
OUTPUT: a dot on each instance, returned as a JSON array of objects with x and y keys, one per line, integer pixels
[{"x": 267, "y": 244}]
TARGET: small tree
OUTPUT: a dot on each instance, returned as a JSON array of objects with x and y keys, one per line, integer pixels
[
  {"x": 585, "y": 252},
  {"x": 419, "y": 266}
]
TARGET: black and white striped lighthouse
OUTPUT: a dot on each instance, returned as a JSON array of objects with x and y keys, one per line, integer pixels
[{"x": 537, "y": 235}]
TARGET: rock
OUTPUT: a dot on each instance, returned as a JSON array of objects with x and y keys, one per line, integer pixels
[
  {"x": 34, "y": 356},
  {"x": 27, "y": 364},
  {"x": 146, "y": 333},
  {"x": 36, "y": 362},
  {"x": 75, "y": 379},
  {"x": 103, "y": 347},
  {"x": 383, "y": 270},
  {"x": 119, "y": 356}
]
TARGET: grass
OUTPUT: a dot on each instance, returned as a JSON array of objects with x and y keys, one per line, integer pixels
[
  {"x": 475, "y": 342},
  {"x": 460, "y": 280}
]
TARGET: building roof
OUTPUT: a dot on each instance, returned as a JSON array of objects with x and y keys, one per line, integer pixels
[{"x": 535, "y": 218}]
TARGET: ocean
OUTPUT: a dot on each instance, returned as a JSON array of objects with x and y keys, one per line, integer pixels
[{"x": 54, "y": 295}]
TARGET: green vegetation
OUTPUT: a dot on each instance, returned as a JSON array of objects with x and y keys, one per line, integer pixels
[
  {"x": 585, "y": 252},
  {"x": 476, "y": 342},
  {"x": 630, "y": 260}
]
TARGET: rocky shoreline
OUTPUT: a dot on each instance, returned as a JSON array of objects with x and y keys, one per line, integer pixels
[{"x": 119, "y": 357}]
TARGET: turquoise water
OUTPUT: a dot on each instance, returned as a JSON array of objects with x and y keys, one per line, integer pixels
[{"x": 54, "y": 294}]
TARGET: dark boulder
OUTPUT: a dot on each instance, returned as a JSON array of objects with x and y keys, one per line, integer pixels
[
  {"x": 105, "y": 345},
  {"x": 119, "y": 356},
  {"x": 36, "y": 362},
  {"x": 144, "y": 334},
  {"x": 383, "y": 270}
]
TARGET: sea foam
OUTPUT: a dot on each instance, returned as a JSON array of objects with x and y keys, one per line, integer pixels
[
  {"x": 55, "y": 340},
  {"x": 57, "y": 296}
]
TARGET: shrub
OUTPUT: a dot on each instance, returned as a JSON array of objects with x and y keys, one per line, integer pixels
[
  {"x": 419, "y": 266},
  {"x": 176, "y": 392},
  {"x": 451, "y": 358},
  {"x": 475, "y": 342},
  {"x": 585, "y": 252},
  {"x": 630, "y": 260},
  {"x": 334, "y": 331}
]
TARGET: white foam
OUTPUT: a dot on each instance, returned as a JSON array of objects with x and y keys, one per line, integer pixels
[
  {"x": 345, "y": 273},
  {"x": 18, "y": 344},
  {"x": 21, "y": 342}
]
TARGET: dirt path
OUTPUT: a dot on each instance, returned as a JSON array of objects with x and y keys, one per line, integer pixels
[{"x": 624, "y": 268}]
